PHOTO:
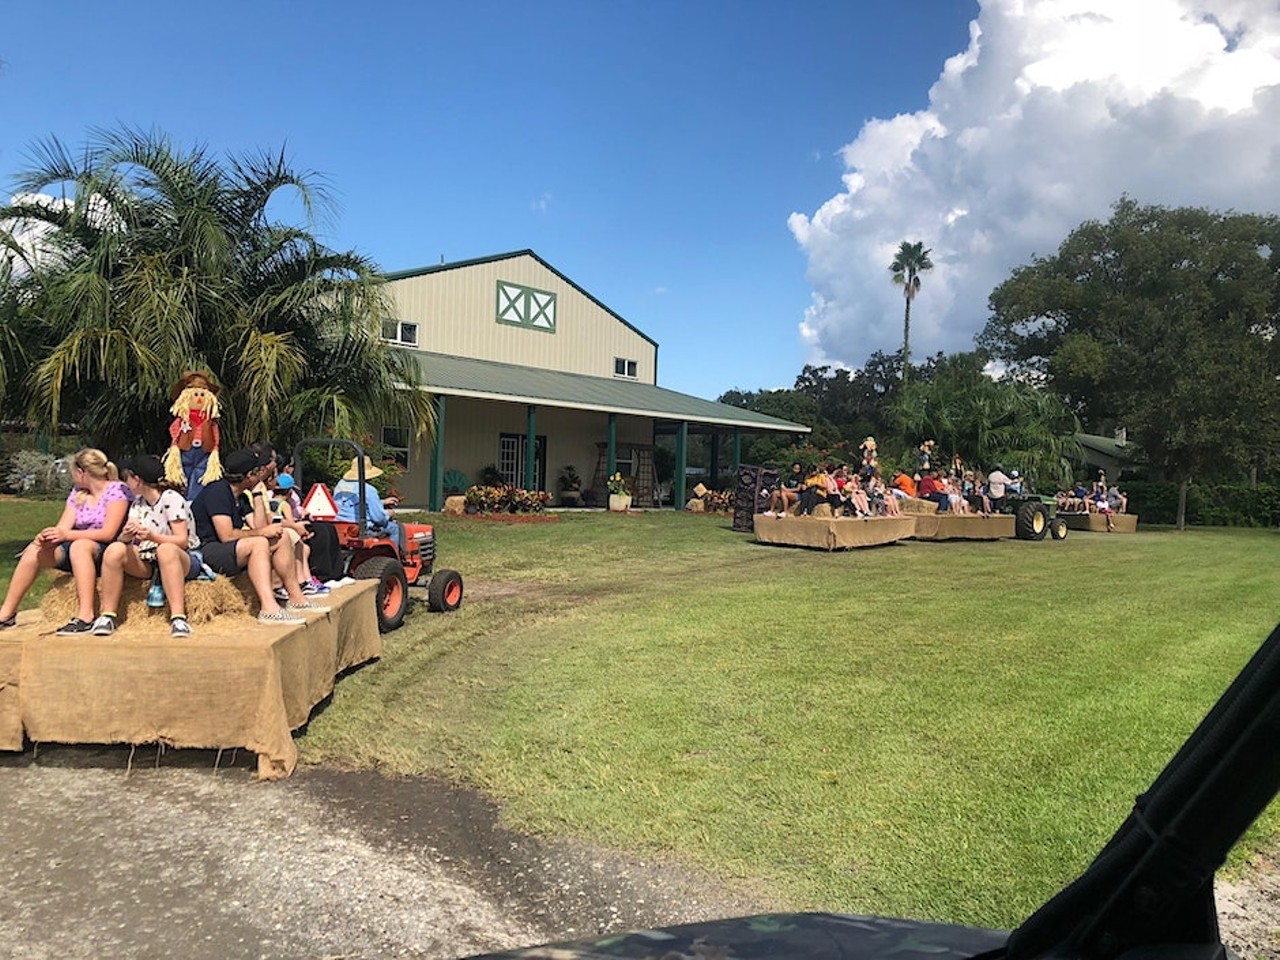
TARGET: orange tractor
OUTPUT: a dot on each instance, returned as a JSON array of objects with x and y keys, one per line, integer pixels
[{"x": 372, "y": 554}]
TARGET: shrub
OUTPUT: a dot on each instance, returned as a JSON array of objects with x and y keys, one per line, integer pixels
[
  {"x": 1224, "y": 504},
  {"x": 505, "y": 499},
  {"x": 36, "y": 474}
]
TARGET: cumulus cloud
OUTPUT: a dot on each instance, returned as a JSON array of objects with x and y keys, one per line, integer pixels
[
  {"x": 542, "y": 204},
  {"x": 1055, "y": 109},
  {"x": 30, "y": 237}
]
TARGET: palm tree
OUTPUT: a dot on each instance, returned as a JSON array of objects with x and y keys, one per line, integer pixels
[
  {"x": 911, "y": 260},
  {"x": 163, "y": 259},
  {"x": 990, "y": 421}
]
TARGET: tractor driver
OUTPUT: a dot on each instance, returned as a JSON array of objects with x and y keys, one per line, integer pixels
[{"x": 347, "y": 496}]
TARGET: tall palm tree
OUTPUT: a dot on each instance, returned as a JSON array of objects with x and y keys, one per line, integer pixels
[
  {"x": 166, "y": 259},
  {"x": 911, "y": 260}
]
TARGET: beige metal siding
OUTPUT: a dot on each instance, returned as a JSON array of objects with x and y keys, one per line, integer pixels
[{"x": 456, "y": 314}]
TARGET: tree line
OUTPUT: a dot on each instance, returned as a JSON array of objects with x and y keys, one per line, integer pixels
[{"x": 1161, "y": 321}]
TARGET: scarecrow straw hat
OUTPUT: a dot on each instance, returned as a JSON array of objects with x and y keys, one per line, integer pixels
[{"x": 370, "y": 471}]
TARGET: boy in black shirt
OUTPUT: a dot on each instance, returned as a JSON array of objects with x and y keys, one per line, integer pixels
[{"x": 232, "y": 541}]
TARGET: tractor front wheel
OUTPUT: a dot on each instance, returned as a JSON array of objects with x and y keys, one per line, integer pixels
[
  {"x": 393, "y": 590},
  {"x": 444, "y": 592},
  {"x": 1031, "y": 523},
  {"x": 1058, "y": 528}
]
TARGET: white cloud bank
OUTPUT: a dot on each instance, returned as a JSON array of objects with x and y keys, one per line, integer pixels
[{"x": 1056, "y": 108}]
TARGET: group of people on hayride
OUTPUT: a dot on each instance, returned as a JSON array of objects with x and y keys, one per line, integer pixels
[
  {"x": 191, "y": 515},
  {"x": 954, "y": 486},
  {"x": 1096, "y": 498},
  {"x": 864, "y": 493}
]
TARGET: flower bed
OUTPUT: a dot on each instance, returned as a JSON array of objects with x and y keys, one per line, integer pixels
[{"x": 506, "y": 500}]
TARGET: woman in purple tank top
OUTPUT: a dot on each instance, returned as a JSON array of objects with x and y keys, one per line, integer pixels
[{"x": 92, "y": 518}]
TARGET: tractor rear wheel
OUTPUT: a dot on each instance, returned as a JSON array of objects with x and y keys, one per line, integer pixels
[
  {"x": 1031, "y": 522},
  {"x": 1058, "y": 528},
  {"x": 393, "y": 590},
  {"x": 444, "y": 592}
]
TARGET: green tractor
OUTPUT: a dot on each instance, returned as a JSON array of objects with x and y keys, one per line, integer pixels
[{"x": 1034, "y": 516}]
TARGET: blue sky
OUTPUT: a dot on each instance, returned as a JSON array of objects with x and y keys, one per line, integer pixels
[
  {"x": 730, "y": 177},
  {"x": 651, "y": 151}
]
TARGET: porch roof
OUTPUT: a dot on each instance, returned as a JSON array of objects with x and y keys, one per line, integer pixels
[{"x": 511, "y": 383}]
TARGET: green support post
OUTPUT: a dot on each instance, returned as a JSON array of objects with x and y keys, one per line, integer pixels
[
  {"x": 611, "y": 461},
  {"x": 682, "y": 464},
  {"x": 435, "y": 483},
  {"x": 531, "y": 449},
  {"x": 737, "y": 453},
  {"x": 714, "y": 468}
]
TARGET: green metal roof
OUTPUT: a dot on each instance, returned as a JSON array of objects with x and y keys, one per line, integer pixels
[
  {"x": 1105, "y": 446},
  {"x": 510, "y": 383}
]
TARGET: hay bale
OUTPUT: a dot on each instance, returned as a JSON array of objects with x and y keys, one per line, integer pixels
[
  {"x": 823, "y": 510},
  {"x": 455, "y": 506},
  {"x": 913, "y": 505},
  {"x": 227, "y": 600}
]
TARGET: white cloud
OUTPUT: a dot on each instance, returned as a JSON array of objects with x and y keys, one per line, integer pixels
[
  {"x": 541, "y": 204},
  {"x": 31, "y": 236},
  {"x": 1055, "y": 109}
]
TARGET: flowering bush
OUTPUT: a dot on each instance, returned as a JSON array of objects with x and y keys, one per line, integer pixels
[
  {"x": 617, "y": 484},
  {"x": 506, "y": 499}
]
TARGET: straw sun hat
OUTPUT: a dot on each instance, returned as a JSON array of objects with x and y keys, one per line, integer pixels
[{"x": 370, "y": 471}]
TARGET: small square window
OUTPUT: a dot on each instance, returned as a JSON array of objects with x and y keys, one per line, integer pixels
[
  {"x": 405, "y": 334},
  {"x": 624, "y": 368}
]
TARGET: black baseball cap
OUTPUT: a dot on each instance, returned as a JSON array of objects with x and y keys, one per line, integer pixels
[
  {"x": 148, "y": 468},
  {"x": 241, "y": 463}
]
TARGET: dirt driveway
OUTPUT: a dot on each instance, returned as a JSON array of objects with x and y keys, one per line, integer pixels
[{"x": 180, "y": 860}]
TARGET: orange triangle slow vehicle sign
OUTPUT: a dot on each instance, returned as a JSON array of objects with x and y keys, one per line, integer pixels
[{"x": 319, "y": 503}]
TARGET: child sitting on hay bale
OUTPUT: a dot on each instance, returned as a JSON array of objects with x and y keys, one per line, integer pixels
[{"x": 158, "y": 537}]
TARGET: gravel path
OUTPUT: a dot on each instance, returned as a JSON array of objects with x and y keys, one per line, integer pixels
[
  {"x": 183, "y": 861},
  {"x": 180, "y": 860}
]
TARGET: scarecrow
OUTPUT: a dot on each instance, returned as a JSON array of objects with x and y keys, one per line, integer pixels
[
  {"x": 869, "y": 458},
  {"x": 925, "y": 463},
  {"x": 192, "y": 460}
]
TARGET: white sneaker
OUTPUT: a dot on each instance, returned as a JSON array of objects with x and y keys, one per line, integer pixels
[
  {"x": 770, "y": 513},
  {"x": 309, "y": 606},
  {"x": 281, "y": 618},
  {"x": 104, "y": 626}
]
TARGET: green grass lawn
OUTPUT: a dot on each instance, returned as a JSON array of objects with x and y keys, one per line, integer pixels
[
  {"x": 20, "y": 520},
  {"x": 942, "y": 730}
]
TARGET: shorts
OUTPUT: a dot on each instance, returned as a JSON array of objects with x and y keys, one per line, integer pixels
[
  {"x": 221, "y": 558},
  {"x": 62, "y": 556},
  {"x": 194, "y": 556}
]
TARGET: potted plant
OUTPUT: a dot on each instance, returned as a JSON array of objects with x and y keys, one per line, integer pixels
[
  {"x": 570, "y": 487},
  {"x": 619, "y": 495}
]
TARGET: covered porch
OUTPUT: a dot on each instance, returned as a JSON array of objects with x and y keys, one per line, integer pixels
[{"x": 530, "y": 424}]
